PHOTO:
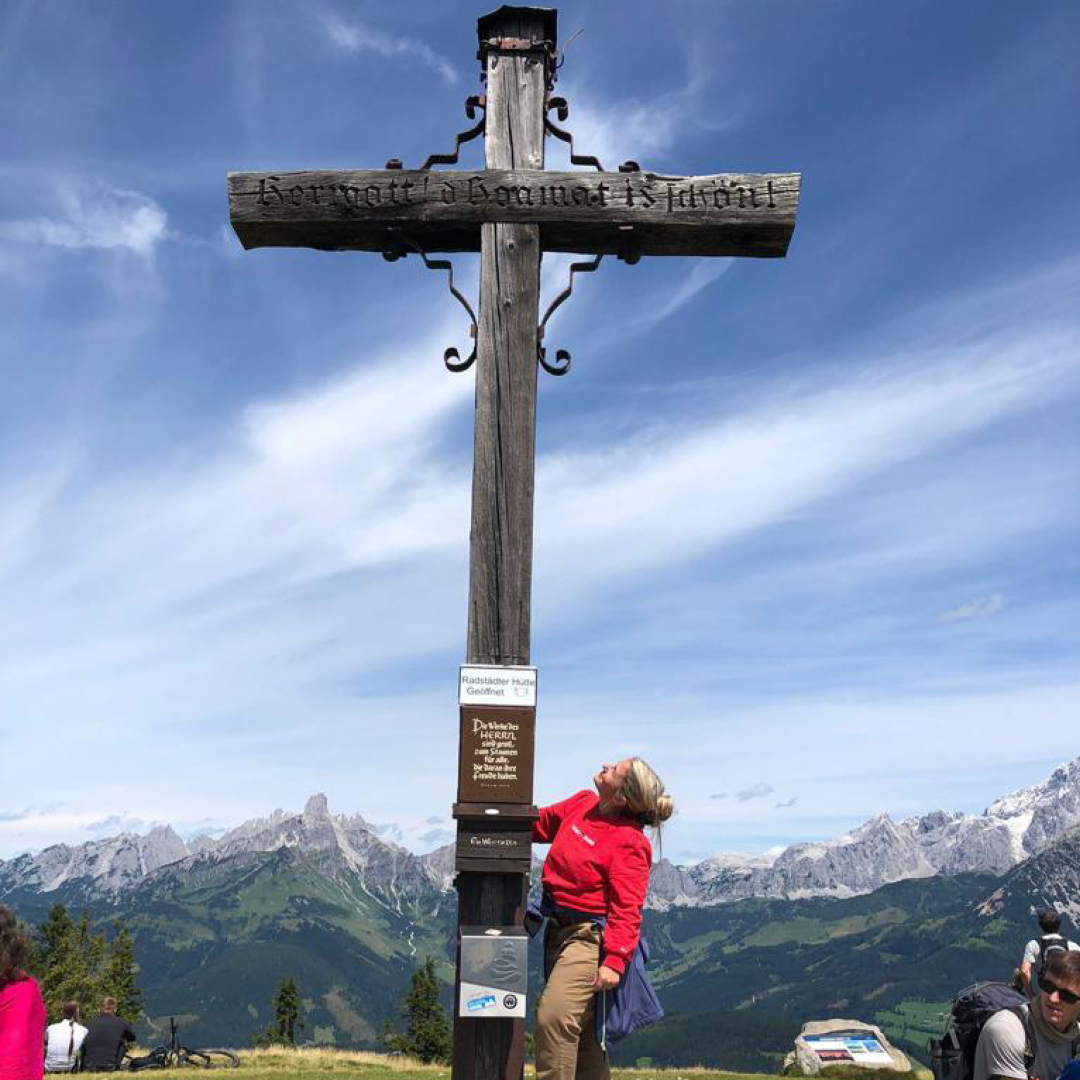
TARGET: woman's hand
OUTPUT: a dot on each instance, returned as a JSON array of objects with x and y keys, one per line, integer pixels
[{"x": 606, "y": 979}]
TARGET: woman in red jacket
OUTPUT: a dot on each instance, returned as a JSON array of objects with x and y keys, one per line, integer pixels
[{"x": 595, "y": 879}]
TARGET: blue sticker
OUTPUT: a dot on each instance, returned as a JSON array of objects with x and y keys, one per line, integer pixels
[{"x": 483, "y": 1001}]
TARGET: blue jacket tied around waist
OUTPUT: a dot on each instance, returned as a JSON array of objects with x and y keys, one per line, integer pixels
[{"x": 633, "y": 1003}]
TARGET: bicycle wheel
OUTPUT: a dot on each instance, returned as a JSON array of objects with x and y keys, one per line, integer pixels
[
  {"x": 158, "y": 1058},
  {"x": 191, "y": 1059},
  {"x": 221, "y": 1059}
]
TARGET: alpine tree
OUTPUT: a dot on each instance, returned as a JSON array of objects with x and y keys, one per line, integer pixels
[
  {"x": 73, "y": 963},
  {"x": 427, "y": 1029},
  {"x": 287, "y": 1010},
  {"x": 286, "y": 1006},
  {"x": 119, "y": 976}
]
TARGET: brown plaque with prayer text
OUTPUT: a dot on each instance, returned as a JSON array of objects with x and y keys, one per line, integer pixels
[{"x": 495, "y": 757}]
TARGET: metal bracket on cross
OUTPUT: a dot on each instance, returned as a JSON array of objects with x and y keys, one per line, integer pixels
[
  {"x": 472, "y": 103},
  {"x": 562, "y": 108},
  {"x": 397, "y": 247},
  {"x": 629, "y": 254}
]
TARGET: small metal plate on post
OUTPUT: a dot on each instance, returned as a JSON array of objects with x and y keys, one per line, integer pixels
[
  {"x": 494, "y": 977},
  {"x": 496, "y": 751}
]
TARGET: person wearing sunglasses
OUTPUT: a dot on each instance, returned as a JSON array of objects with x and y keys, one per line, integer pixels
[{"x": 1035, "y": 1041}]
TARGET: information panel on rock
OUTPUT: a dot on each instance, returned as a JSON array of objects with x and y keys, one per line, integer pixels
[{"x": 496, "y": 754}]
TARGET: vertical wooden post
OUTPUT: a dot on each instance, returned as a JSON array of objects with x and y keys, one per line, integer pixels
[
  {"x": 500, "y": 556},
  {"x": 500, "y": 562}
]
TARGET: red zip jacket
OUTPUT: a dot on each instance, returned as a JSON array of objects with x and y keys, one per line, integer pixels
[{"x": 597, "y": 865}]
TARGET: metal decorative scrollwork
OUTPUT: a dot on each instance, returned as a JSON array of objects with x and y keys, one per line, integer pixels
[
  {"x": 477, "y": 101},
  {"x": 559, "y": 104},
  {"x": 397, "y": 247},
  {"x": 562, "y": 357}
]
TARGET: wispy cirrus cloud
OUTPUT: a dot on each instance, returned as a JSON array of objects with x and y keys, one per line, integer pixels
[
  {"x": 118, "y": 823},
  {"x": 701, "y": 275},
  {"x": 784, "y": 453},
  {"x": 359, "y": 37},
  {"x": 97, "y": 217},
  {"x": 980, "y": 608},
  {"x": 645, "y": 131}
]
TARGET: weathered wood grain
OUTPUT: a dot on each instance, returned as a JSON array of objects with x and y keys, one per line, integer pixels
[
  {"x": 589, "y": 212},
  {"x": 500, "y": 554}
]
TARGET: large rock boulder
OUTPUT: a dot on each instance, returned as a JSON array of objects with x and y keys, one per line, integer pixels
[{"x": 842, "y": 1042}]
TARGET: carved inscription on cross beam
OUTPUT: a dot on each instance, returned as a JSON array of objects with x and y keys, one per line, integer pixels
[
  {"x": 481, "y": 189},
  {"x": 724, "y": 214}
]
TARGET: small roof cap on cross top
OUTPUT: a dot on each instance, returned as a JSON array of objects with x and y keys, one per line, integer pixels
[{"x": 495, "y": 24}]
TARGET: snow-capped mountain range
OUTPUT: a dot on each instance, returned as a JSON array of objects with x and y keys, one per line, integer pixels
[{"x": 877, "y": 853}]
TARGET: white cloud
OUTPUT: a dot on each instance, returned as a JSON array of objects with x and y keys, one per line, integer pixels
[
  {"x": 676, "y": 491},
  {"x": 116, "y": 823},
  {"x": 94, "y": 216},
  {"x": 755, "y": 791},
  {"x": 629, "y": 129},
  {"x": 981, "y": 608},
  {"x": 359, "y": 37},
  {"x": 701, "y": 275}
]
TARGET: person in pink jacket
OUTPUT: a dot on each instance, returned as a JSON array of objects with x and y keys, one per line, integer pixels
[
  {"x": 595, "y": 879},
  {"x": 22, "y": 1012}
]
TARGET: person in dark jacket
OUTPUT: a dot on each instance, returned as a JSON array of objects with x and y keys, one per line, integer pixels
[{"x": 106, "y": 1040}]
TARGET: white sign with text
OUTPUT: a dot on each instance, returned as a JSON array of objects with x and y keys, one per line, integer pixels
[{"x": 497, "y": 684}]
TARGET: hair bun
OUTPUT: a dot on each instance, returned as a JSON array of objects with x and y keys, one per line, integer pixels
[{"x": 665, "y": 807}]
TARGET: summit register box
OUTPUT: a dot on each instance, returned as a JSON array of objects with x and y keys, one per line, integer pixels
[{"x": 493, "y": 971}]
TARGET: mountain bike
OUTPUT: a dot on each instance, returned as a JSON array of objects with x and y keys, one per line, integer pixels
[{"x": 177, "y": 1056}]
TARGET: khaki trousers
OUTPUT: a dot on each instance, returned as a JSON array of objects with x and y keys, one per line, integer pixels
[{"x": 566, "y": 1046}]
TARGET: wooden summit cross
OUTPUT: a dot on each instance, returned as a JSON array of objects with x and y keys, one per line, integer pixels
[{"x": 511, "y": 212}]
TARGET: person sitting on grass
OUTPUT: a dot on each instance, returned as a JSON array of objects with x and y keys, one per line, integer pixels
[
  {"x": 107, "y": 1037},
  {"x": 64, "y": 1040}
]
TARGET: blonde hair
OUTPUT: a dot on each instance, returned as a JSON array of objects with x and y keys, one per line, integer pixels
[{"x": 643, "y": 792}]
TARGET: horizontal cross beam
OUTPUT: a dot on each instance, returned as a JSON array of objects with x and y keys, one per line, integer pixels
[{"x": 588, "y": 212}]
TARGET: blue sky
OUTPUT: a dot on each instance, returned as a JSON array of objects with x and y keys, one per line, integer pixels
[{"x": 806, "y": 530}]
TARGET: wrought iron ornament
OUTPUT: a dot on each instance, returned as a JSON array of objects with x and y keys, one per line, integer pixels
[{"x": 399, "y": 245}]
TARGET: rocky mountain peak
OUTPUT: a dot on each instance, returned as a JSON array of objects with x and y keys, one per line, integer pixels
[{"x": 878, "y": 852}]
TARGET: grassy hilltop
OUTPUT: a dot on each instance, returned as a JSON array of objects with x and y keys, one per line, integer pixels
[{"x": 307, "y": 1063}]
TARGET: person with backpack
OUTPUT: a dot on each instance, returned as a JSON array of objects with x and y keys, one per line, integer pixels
[
  {"x": 1035, "y": 1040},
  {"x": 1039, "y": 949}
]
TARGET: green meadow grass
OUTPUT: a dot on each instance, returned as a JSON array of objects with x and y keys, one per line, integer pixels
[{"x": 307, "y": 1063}]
